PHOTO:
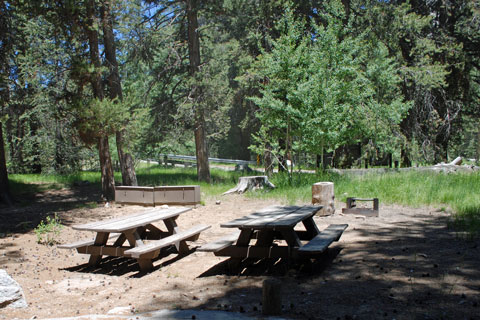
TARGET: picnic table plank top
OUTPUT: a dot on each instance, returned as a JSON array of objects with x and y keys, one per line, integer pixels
[
  {"x": 127, "y": 222},
  {"x": 274, "y": 217}
]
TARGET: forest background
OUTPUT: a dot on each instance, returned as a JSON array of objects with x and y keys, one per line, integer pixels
[{"x": 100, "y": 84}]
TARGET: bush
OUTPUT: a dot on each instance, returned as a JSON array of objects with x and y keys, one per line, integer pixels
[{"x": 48, "y": 230}]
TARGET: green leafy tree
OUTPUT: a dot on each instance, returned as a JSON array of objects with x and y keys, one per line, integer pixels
[{"x": 325, "y": 89}]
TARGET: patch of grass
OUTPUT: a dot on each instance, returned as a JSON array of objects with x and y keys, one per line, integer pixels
[
  {"x": 295, "y": 188},
  {"x": 458, "y": 191},
  {"x": 468, "y": 219},
  {"x": 160, "y": 176}
]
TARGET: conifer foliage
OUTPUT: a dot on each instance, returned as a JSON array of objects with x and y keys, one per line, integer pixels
[{"x": 99, "y": 84}]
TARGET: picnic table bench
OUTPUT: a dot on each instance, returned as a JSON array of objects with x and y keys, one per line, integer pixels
[
  {"x": 136, "y": 236},
  {"x": 263, "y": 234}
]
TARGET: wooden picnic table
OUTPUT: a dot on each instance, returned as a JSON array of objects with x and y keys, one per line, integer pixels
[
  {"x": 271, "y": 233},
  {"x": 136, "y": 236}
]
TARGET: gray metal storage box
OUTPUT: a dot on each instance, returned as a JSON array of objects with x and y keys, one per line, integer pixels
[
  {"x": 177, "y": 195},
  {"x": 152, "y": 196},
  {"x": 134, "y": 195}
]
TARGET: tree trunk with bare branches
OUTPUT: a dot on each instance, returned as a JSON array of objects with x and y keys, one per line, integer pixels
[
  {"x": 108, "y": 180},
  {"x": 127, "y": 168},
  {"x": 203, "y": 169}
]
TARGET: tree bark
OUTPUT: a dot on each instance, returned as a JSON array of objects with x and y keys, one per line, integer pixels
[
  {"x": 92, "y": 35},
  {"x": 282, "y": 160},
  {"x": 406, "y": 163},
  {"x": 323, "y": 194},
  {"x": 478, "y": 147},
  {"x": 108, "y": 183},
  {"x": 108, "y": 180},
  {"x": 268, "y": 161},
  {"x": 4, "y": 189},
  {"x": 6, "y": 41},
  {"x": 251, "y": 183},
  {"x": 127, "y": 168},
  {"x": 346, "y": 5},
  {"x": 203, "y": 169}
]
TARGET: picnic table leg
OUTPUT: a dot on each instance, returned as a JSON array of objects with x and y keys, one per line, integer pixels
[
  {"x": 311, "y": 227},
  {"x": 242, "y": 241},
  {"x": 120, "y": 240},
  {"x": 145, "y": 264},
  {"x": 100, "y": 240},
  {"x": 172, "y": 227},
  {"x": 265, "y": 238},
  {"x": 133, "y": 238},
  {"x": 155, "y": 233},
  {"x": 292, "y": 240}
]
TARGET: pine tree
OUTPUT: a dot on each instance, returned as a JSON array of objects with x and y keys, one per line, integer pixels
[{"x": 115, "y": 91}]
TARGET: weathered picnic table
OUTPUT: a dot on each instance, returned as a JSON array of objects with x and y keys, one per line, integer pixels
[
  {"x": 271, "y": 233},
  {"x": 135, "y": 236}
]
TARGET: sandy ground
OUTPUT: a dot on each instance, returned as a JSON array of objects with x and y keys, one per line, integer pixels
[{"x": 405, "y": 264}]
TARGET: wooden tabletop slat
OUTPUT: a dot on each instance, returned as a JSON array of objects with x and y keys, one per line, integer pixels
[
  {"x": 292, "y": 219},
  {"x": 286, "y": 220},
  {"x": 132, "y": 221},
  {"x": 135, "y": 222},
  {"x": 95, "y": 224},
  {"x": 274, "y": 217},
  {"x": 265, "y": 215}
]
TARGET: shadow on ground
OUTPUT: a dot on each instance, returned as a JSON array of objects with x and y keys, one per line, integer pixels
[
  {"x": 273, "y": 267},
  {"x": 120, "y": 266},
  {"x": 413, "y": 268},
  {"x": 30, "y": 209}
]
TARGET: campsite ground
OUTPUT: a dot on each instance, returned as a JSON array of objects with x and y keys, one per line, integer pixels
[{"x": 405, "y": 264}]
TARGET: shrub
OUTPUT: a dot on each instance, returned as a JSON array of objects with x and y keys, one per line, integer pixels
[{"x": 48, "y": 230}]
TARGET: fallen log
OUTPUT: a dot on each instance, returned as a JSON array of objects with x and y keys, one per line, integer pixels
[
  {"x": 251, "y": 183},
  {"x": 456, "y": 162}
]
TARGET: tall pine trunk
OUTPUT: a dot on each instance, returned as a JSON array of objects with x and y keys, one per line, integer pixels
[
  {"x": 268, "y": 160},
  {"x": 129, "y": 177},
  {"x": 108, "y": 180},
  {"x": 203, "y": 169},
  {"x": 4, "y": 189},
  {"x": 108, "y": 183},
  {"x": 477, "y": 151}
]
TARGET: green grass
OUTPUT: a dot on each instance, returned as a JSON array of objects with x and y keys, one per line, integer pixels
[
  {"x": 152, "y": 175},
  {"x": 459, "y": 192},
  {"x": 456, "y": 191},
  {"x": 160, "y": 176}
]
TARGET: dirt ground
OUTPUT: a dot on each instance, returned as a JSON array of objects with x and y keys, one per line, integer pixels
[{"x": 405, "y": 264}]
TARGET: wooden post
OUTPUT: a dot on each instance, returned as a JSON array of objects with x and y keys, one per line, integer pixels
[
  {"x": 350, "y": 202},
  {"x": 272, "y": 297},
  {"x": 323, "y": 194}
]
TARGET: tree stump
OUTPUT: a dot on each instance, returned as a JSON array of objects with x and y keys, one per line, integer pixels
[
  {"x": 272, "y": 297},
  {"x": 323, "y": 194},
  {"x": 251, "y": 183}
]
